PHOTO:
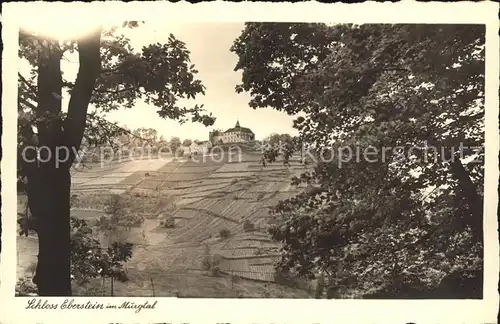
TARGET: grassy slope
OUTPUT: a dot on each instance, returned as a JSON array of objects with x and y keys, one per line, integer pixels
[{"x": 203, "y": 198}]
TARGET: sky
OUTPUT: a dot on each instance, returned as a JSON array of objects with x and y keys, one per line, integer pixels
[{"x": 209, "y": 45}]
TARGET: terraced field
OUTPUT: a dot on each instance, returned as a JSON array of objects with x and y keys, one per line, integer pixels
[{"x": 205, "y": 199}]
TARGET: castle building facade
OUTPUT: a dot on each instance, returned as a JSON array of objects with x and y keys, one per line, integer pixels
[{"x": 236, "y": 134}]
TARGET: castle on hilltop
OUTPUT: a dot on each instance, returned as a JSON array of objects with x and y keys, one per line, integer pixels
[{"x": 236, "y": 134}]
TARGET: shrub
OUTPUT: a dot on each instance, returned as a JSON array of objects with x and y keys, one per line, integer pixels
[
  {"x": 211, "y": 262},
  {"x": 26, "y": 287},
  {"x": 248, "y": 226},
  {"x": 168, "y": 222},
  {"x": 206, "y": 264},
  {"x": 279, "y": 278},
  {"x": 217, "y": 259},
  {"x": 332, "y": 293},
  {"x": 320, "y": 287},
  {"x": 215, "y": 271},
  {"x": 224, "y": 233},
  {"x": 285, "y": 279},
  {"x": 32, "y": 268},
  {"x": 133, "y": 220},
  {"x": 119, "y": 216},
  {"x": 73, "y": 200},
  {"x": 122, "y": 276},
  {"x": 94, "y": 291},
  {"x": 90, "y": 260},
  {"x": 115, "y": 206}
]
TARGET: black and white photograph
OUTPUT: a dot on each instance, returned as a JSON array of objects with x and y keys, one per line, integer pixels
[{"x": 251, "y": 159}]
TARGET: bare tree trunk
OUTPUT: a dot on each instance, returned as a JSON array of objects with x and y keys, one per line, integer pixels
[
  {"x": 474, "y": 200},
  {"x": 50, "y": 188},
  {"x": 468, "y": 190},
  {"x": 49, "y": 180},
  {"x": 48, "y": 185}
]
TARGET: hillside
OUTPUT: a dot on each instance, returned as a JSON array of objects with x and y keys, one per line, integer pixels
[{"x": 203, "y": 198}]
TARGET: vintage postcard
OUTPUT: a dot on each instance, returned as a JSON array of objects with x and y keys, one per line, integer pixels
[{"x": 250, "y": 163}]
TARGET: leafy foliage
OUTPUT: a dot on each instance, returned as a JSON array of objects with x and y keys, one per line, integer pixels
[
  {"x": 414, "y": 94},
  {"x": 279, "y": 144},
  {"x": 90, "y": 260},
  {"x": 144, "y": 136},
  {"x": 118, "y": 221},
  {"x": 25, "y": 288},
  {"x": 248, "y": 226},
  {"x": 175, "y": 144},
  {"x": 274, "y": 139},
  {"x": 224, "y": 233},
  {"x": 271, "y": 153}
]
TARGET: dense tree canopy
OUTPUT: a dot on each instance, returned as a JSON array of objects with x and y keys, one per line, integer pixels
[
  {"x": 145, "y": 135},
  {"x": 377, "y": 102},
  {"x": 174, "y": 143},
  {"x": 274, "y": 139}
]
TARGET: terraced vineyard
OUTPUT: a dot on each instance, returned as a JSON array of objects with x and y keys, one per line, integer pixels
[{"x": 206, "y": 199}]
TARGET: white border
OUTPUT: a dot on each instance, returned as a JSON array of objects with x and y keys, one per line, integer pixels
[{"x": 259, "y": 310}]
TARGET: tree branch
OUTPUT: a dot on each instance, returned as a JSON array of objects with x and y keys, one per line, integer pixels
[
  {"x": 110, "y": 70},
  {"x": 116, "y": 91},
  {"x": 88, "y": 72},
  {"x": 126, "y": 131},
  {"x": 467, "y": 187},
  {"x": 29, "y": 85},
  {"x": 71, "y": 86},
  {"x": 26, "y": 103}
]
